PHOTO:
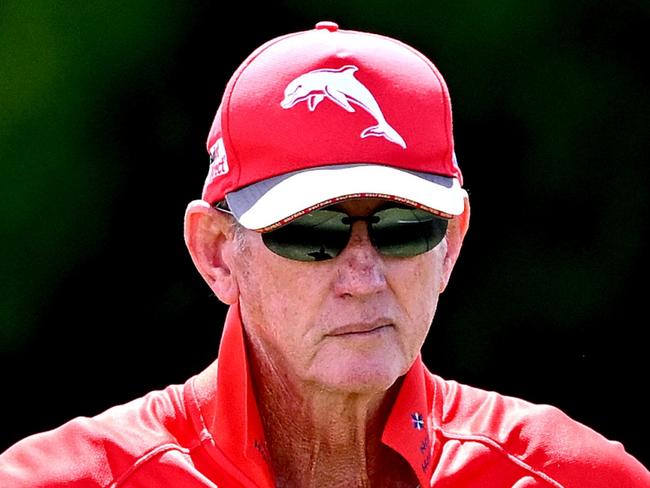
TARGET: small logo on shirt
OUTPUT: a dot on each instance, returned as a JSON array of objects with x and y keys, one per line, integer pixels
[
  {"x": 342, "y": 88},
  {"x": 263, "y": 449},
  {"x": 417, "y": 421}
]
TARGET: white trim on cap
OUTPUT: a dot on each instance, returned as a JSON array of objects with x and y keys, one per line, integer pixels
[{"x": 268, "y": 203}]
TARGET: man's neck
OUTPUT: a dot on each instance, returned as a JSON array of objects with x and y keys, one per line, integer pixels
[{"x": 323, "y": 438}]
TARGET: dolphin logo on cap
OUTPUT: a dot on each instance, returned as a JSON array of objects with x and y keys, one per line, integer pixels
[{"x": 341, "y": 87}]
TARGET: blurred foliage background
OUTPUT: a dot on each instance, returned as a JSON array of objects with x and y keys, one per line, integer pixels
[{"x": 104, "y": 111}]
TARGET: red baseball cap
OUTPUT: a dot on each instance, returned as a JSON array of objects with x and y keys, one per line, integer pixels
[{"x": 315, "y": 117}]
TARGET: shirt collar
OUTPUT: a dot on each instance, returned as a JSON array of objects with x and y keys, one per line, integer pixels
[{"x": 228, "y": 411}]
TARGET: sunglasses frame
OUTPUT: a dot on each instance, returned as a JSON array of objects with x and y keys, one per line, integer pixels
[{"x": 316, "y": 256}]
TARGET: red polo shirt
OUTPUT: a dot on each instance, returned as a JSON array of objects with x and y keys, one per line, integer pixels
[{"x": 208, "y": 433}]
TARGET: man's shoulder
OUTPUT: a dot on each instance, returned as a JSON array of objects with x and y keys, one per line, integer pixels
[
  {"x": 503, "y": 418},
  {"x": 536, "y": 437},
  {"x": 100, "y": 449}
]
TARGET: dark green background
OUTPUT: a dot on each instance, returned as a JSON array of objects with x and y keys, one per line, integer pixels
[{"x": 104, "y": 111}]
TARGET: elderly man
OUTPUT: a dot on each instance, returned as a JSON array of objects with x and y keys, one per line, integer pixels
[{"x": 330, "y": 221}]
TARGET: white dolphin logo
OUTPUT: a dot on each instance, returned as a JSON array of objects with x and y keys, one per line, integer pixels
[{"x": 341, "y": 87}]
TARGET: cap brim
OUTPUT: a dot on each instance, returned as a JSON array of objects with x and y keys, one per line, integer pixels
[{"x": 276, "y": 201}]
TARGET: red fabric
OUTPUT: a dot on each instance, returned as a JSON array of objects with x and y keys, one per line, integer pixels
[
  {"x": 208, "y": 433},
  {"x": 255, "y": 128}
]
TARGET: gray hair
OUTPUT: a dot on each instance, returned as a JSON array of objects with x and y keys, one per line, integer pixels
[{"x": 239, "y": 235}]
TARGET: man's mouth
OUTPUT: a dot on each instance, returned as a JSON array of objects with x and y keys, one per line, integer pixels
[{"x": 359, "y": 329}]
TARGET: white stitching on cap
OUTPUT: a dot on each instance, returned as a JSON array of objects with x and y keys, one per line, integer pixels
[{"x": 218, "y": 160}]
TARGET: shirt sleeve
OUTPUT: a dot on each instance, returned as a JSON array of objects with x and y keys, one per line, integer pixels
[
  {"x": 69, "y": 456},
  {"x": 576, "y": 455}
]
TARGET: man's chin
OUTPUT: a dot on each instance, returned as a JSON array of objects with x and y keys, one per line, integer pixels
[{"x": 359, "y": 375}]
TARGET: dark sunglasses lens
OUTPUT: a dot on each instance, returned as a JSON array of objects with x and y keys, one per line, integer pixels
[
  {"x": 315, "y": 236},
  {"x": 406, "y": 232}
]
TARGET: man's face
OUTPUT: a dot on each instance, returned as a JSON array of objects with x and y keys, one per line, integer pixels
[{"x": 354, "y": 323}]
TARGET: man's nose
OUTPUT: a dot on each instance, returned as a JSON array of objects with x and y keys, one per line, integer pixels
[{"x": 361, "y": 269}]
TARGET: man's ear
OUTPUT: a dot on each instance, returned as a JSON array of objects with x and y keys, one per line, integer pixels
[
  {"x": 455, "y": 235},
  {"x": 210, "y": 239}
]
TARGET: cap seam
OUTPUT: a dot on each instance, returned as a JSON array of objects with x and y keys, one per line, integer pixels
[{"x": 443, "y": 85}]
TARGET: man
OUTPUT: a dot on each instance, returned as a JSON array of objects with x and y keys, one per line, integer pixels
[{"x": 330, "y": 221}]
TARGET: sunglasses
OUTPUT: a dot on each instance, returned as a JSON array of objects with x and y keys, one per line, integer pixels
[{"x": 395, "y": 231}]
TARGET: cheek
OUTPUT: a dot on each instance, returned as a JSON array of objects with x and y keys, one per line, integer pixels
[
  {"x": 417, "y": 291},
  {"x": 429, "y": 278},
  {"x": 276, "y": 299},
  {"x": 433, "y": 284}
]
